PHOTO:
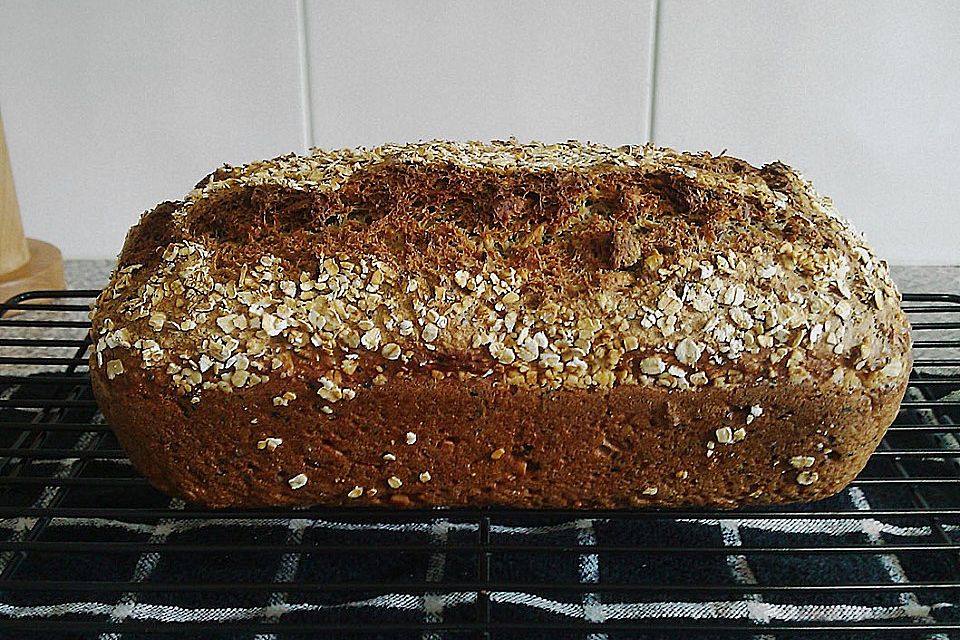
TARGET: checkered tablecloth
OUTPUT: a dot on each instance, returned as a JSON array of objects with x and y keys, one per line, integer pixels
[{"x": 445, "y": 565}]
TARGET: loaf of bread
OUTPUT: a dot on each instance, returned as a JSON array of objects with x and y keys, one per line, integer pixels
[{"x": 462, "y": 324}]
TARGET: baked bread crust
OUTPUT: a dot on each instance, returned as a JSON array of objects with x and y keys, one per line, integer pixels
[{"x": 448, "y": 324}]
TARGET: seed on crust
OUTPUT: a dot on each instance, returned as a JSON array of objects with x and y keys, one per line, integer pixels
[
  {"x": 688, "y": 351},
  {"x": 270, "y": 444},
  {"x": 298, "y": 481},
  {"x": 430, "y": 332},
  {"x": 114, "y": 368},
  {"x": 724, "y": 435},
  {"x": 371, "y": 339},
  {"x": 652, "y": 366},
  {"x": 391, "y": 351},
  {"x": 239, "y": 378},
  {"x": 157, "y": 320}
]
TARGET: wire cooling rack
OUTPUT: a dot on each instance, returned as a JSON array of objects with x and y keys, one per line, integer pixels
[{"x": 89, "y": 550}]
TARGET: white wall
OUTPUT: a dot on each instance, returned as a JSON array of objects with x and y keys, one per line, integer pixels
[{"x": 111, "y": 106}]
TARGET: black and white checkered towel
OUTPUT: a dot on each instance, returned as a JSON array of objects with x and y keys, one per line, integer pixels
[{"x": 238, "y": 551}]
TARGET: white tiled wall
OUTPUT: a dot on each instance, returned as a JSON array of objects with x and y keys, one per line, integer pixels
[
  {"x": 862, "y": 96},
  {"x": 393, "y": 71},
  {"x": 111, "y": 106}
]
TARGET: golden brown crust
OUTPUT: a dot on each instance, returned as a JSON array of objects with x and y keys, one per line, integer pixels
[{"x": 544, "y": 299}]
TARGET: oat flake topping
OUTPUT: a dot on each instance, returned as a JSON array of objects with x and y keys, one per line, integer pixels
[{"x": 567, "y": 265}]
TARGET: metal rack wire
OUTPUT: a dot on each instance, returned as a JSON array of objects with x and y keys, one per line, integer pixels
[{"x": 87, "y": 547}]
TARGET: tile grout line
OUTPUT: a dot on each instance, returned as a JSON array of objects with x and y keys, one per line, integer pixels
[
  {"x": 303, "y": 46},
  {"x": 653, "y": 68}
]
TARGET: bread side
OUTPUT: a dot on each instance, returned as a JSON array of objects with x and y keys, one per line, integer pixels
[{"x": 562, "y": 325}]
